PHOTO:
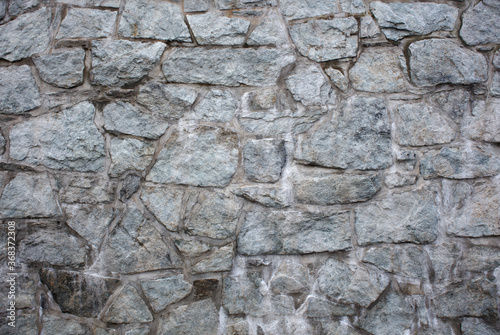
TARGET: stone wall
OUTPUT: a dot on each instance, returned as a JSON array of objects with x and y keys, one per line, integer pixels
[{"x": 251, "y": 166}]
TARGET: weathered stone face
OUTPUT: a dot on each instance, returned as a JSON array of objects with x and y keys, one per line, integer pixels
[
  {"x": 168, "y": 100},
  {"x": 87, "y": 23},
  {"x": 165, "y": 204},
  {"x": 408, "y": 262},
  {"x": 480, "y": 24},
  {"x": 165, "y": 291},
  {"x": 264, "y": 159},
  {"x": 484, "y": 122},
  {"x": 218, "y": 29},
  {"x": 55, "y": 325},
  {"x": 219, "y": 260},
  {"x": 129, "y": 154},
  {"x": 302, "y": 9},
  {"x": 309, "y": 86},
  {"x": 18, "y": 91},
  {"x": 88, "y": 221},
  {"x": 270, "y": 31},
  {"x": 268, "y": 196},
  {"x": 199, "y": 317},
  {"x": 128, "y": 307},
  {"x": 242, "y": 295},
  {"x": 62, "y": 69},
  {"x": 216, "y": 106}
]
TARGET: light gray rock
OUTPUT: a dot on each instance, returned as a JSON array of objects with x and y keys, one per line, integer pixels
[
  {"x": 111, "y": 331},
  {"x": 87, "y": 23},
  {"x": 399, "y": 20},
  {"x": 368, "y": 28},
  {"x": 337, "y": 78},
  {"x": 90, "y": 222},
  {"x": 129, "y": 154},
  {"x": 165, "y": 203},
  {"x": 481, "y": 24},
  {"x": 270, "y": 31},
  {"x": 165, "y": 291},
  {"x": 263, "y": 99},
  {"x": 218, "y": 29},
  {"x": 495, "y": 84},
  {"x": 264, "y": 159},
  {"x": 480, "y": 258},
  {"x": 168, "y": 100},
  {"x": 201, "y": 156},
  {"x": 243, "y": 294},
  {"x": 282, "y": 305},
  {"x": 83, "y": 189},
  {"x": 290, "y": 278},
  {"x": 404, "y": 261},
  {"x": 359, "y": 138},
  {"x": 125, "y": 118},
  {"x": 54, "y": 325},
  {"x": 216, "y": 106},
  {"x": 120, "y": 62},
  {"x": 324, "y": 40},
  {"x": 455, "y": 103},
  {"x": 134, "y": 330},
  {"x": 377, "y": 70},
  {"x": 197, "y": 318},
  {"x": 398, "y": 180},
  {"x": 484, "y": 122},
  {"x": 128, "y": 307},
  {"x": 17, "y": 7},
  {"x": 350, "y": 284},
  {"x": 68, "y": 140},
  {"x": 25, "y": 36},
  {"x": 294, "y": 233},
  {"x": 320, "y": 308},
  {"x": 230, "y": 67},
  {"x": 451, "y": 62},
  {"x": 353, "y": 6},
  {"x": 159, "y": 20},
  {"x": 237, "y": 326},
  {"x": 18, "y": 90},
  {"x": 219, "y": 260},
  {"x": 269, "y": 196},
  {"x": 196, "y": 6},
  {"x": 471, "y": 326},
  {"x": 29, "y": 195},
  {"x": 456, "y": 163},
  {"x": 293, "y": 9},
  {"x": 404, "y": 217},
  {"x": 25, "y": 324},
  {"x": 92, "y": 3},
  {"x": 338, "y": 327},
  {"x": 496, "y": 59},
  {"x": 444, "y": 258},
  {"x": 308, "y": 84},
  {"x": 63, "y": 69},
  {"x": 192, "y": 248}
]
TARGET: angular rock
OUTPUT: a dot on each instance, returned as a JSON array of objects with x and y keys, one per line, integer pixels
[
  {"x": 308, "y": 84},
  {"x": 68, "y": 140},
  {"x": 25, "y": 323},
  {"x": 220, "y": 260},
  {"x": 319, "y": 308},
  {"x": 55, "y": 325},
  {"x": 237, "y": 4},
  {"x": 192, "y": 248},
  {"x": 243, "y": 295},
  {"x": 495, "y": 84},
  {"x": 267, "y": 196},
  {"x": 112, "y": 331},
  {"x": 87, "y": 23},
  {"x": 92, "y": 3},
  {"x": 196, "y": 6},
  {"x": 165, "y": 291},
  {"x": 377, "y": 70},
  {"x": 263, "y": 160},
  {"x": 444, "y": 258},
  {"x": 398, "y": 180},
  {"x": 481, "y": 24},
  {"x": 17, "y": 7},
  {"x": 408, "y": 262},
  {"x": 18, "y": 90},
  {"x": 264, "y": 99},
  {"x": 368, "y": 28},
  {"x": 270, "y": 31},
  {"x": 293, "y": 9},
  {"x": 201, "y": 156},
  {"x": 83, "y": 189},
  {"x": 130, "y": 185},
  {"x": 282, "y": 305},
  {"x": 230, "y": 67},
  {"x": 294, "y": 233},
  {"x": 496, "y": 60},
  {"x": 90, "y": 222},
  {"x": 454, "y": 103},
  {"x": 456, "y": 163},
  {"x": 25, "y": 36},
  {"x": 159, "y": 20},
  {"x": 484, "y": 122},
  {"x": 2, "y": 147},
  {"x": 404, "y": 217},
  {"x": 29, "y": 195},
  {"x": 25, "y": 290},
  {"x": 120, "y": 62},
  {"x": 290, "y": 278},
  {"x": 3, "y": 10},
  {"x": 337, "y": 78},
  {"x": 134, "y": 330},
  {"x": 237, "y": 326},
  {"x": 165, "y": 204},
  {"x": 399, "y": 20},
  {"x": 360, "y": 138},
  {"x": 472, "y": 326},
  {"x": 200, "y": 317},
  {"x": 168, "y": 100},
  {"x": 480, "y": 258},
  {"x": 338, "y": 327},
  {"x": 324, "y": 40},
  {"x": 353, "y": 6},
  {"x": 218, "y": 29},
  {"x": 125, "y": 118},
  {"x": 216, "y": 106},
  {"x": 62, "y": 69},
  {"x": 128, "y": 307},
  {"x": 451, "y": 63},
  {"x": 204, "y": 288},
  {"x": 129, "y": 154}
]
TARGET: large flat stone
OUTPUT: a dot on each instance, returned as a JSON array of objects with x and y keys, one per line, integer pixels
[
  {"x": 63, "y": 69},
  {"x": 270, "y": 31},
  {"x": 167, "y": 100},
  {"x": 480, "y": 258},
  {"x": 481, "y": 23},
  {"x": 484, "y": 122},
  {"x": 290, "y": 278},
  {"x": 165, "y": 291},
  {"x": 18, "y": 90},
  {"x": 455, "y": 103},
  {"x": 87, "y": 23},
  {"x": 218, "y": 29},
  {"x": 293, "y": 9},
  {"x": 197, "y": 318}
]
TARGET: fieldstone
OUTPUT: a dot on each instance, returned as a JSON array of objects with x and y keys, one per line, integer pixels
[
  {"x": 77, "y": 293},
  {"x": 204, "y": 288},
  {"x": 237, "y": 326},
  {"x": 130, "y": 185},
  {"x": 29, "y": 195},
  {"x": 92, "y": 3},
  {"x": 480, "y": 258},
  {"x": 17, "y": 7},
  {"x": 290, "y": 278},
  {"x": 399, "y": 20},
  {"x": 129, "y": 154},
  {"x": 399, "y": 180},
  {"x": 218, "y": 29},
  {"x": 471, "y": 326},
  {"x": 236, "y": 4},
  {"x": 451, "y": 63},
  {"x": 269, "y": 196},
  {"x": 264, "y": 159},
  {"x": 408, "y": 262},
  {"x": 134, "y": 330},
  {"x": 201, "y": 156},
  {"x": 125, "y": 118},
  {"x": 294, "y": 233},
  {"x": 84, "y": 189},
  {"x": 444, "y": 258},
  {"x": 308, "y": 84},
  {"x": 25, "y": 290},
  {"x": 282, "y": 305},
  {"x": 159, "y": 20},
  {"x": 197, "y": 318},
  {"x": 481, "y": 24},
  {"x": 165, "y": 204},
  {"x": 484, "y": 122},
  {"x": 338, "y": 327},
  {"x": 359, "y": 138},
  {"x": 219, "y": 260},
  {"x": 165, "y": 291},
  {"x": 495, "y": 84},
  {"x": 68, "y": 140},
  {"x": 324, "y": 40},
  {"x": 270, "y": 31},
  {"x": 87, "y": 23},
  {"x": 128, "y": 307},
  {"x": 18, "y": 90},
  {"x": 55, "y": 325},
  {"x": 405, "y": 217},
  {"x": 109, "y": 331},
  {"x": 216, "y": 106},
  {"x": 230, "y": 67},
  {"x": 192, "y": 248},
  {"x": 353, "y": 6},
  {"x": 25, "y": 36},
  {"x": 168, "y": 100},
  {"x": 264, "y": 99},
  {"x": 302, "y": 9},
  {"x": 496, "y": 59},
  {"x": 350, "y": 283},
  {"x": 456, "y": 163},
  {"x": 337, "y": 78},
  {"x": 90, "y": 222},
  {"x": 377, "y": 70},
  {"x": 25, "y": 323},
  {"x": 196, "y": 6},
  {"x": 320, "y": 308},
  {"x": 368, "y": 28},
  {"x": 120, "y": 62},
  {"x": 243, "y": 295},
  {"x": 454, "y": 103},
  {"x": 63, "y": 69},
  {"x": 3, "y": 10}
]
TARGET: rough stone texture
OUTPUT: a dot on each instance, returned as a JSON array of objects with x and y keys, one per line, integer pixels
[
  {"x": 89, "y": 222},
  {"x": 2, "y": 147},
  {"x": 263, "y": 160},
  {"x": 242, "y": 294},
  {"x": 269, "y": 196},
  {"x": 337, "y": 78},
  {"x": 89, "y": 190},
  {"x": 480, "y": 24},
  {"x": 17, "y": 7},
  {"x": 128, "y": 307},
  {"x": 484, "y": 122},
  {"x": 55, "y": 325},
  {"x": 119, "y": 62},
  {"x": 196, "y": 6},
  {"x": 270, "y": 31},
  {"x": 68, "y": 140},
  {"x": 324, "y": 40},
  {"x": 352, "y": 6},
  {"x": 197, "y": 318},
  {"x": 237, "y": 4},
  {"x": 480, "y": 258},
  {"x": 454, "y": 103},
  {"x": 451, "y": 62},
  {"x": 308, "y": 85},
  {"x": 192, "y": 248},
  {"x": 495, "y": 84},
  {"x": 220, "y": 260},
  {"x": 18, "y": 91},
  {"x": 218, "y": 29},
  {"x": 409, "y": 261},
  {"x": 25, "y": 323},
  {"x": 399, "y": 20},
  {"x": 302, "y": 9},
  {"x": 87, "y": 23},
  {"x": 129, "y": 154},
  {"x": 62, "y": 69},
  {"x": 3, "y": 9},
  {"x": 319, "y": 308},
  {"x": 130, "y": 185},
  {"x": 165, "y": 291},
  {"x": 496, "y": 59},
  {"x": 398, "y": 180},
  {"x": 168, "y": 100},
  {"x": 444, "y": 259},
  {"x": 368, "y": 28},
  {"x": 216, "y": 106},
  {"x": 92, "y": 3},
  {"x": 471, "y": 326},
  {"x": 165, "y": 204},
  {"x": 159, "y": 20}
]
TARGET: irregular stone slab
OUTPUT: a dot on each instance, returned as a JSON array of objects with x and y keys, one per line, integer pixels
[
  {"x": 87, "y": 23},
  {"x": 377, "y": 70},
  {"x": 270, "y": 31},
  {"x": 18, "y": 90},
  {"x": 319, "y": 308},
  {"x": 218, "y": 29},
  {"x": 125, "y": 118},
  {"x": 350, "y": 283},
  {"x": 237, "y": 326},
  {"x": 25, "y": 324},
  {"x": 192, "y": 248},
  {"x": 89, "y": 190},
  {"x": 456, "y": 163},
  {"x": 62, "y": 69},
  {"x": 17, "y": 7},
  {"x": 360, "y": 138},
  {"x": 308, "y": 84},
  {"x": 338, "y": 327},
  {"x": 200, "y": 317},
  {"x": 480, "y": 258},
  {"x": 165, "y": 204},
  {"x": 243, "y": 295},
  {"x": 337, "y": 78},
  {"x": 404, "y": 217},
  {"x": 29, "y": 195},
  {"x": 55, "y": 325},
  {"x": 496, "y": 60},
  {"x": 120, "y": 62},
  {"x": 168, "y": 100},
  {"x": 399, "y": 20},
  {"x": 290, "y": 278},
  {"x": 267, "y": 196},
  {"x": 353, "y": 6},
  {"x": 25, "y": 290},
  {"x": 165, "y": 291},
  {"x": 130, "y": 185},
  {"x": 398, "y": 180},
  {"x": 282, "y": 305},
  {"x": 324, "y": 40},
  {"x": 77, "y": 293},
  {"x": 92, "y": 3},
  {"x": 90, "y": 222},
  {"x": 444, "y": 258},
  {"x": 230, "y": 67},
  {"x": 128, "y": 307},
  {"x": 263, "y": 160},
  {"x": 201, "y": 156},
  {"x": 451, "y": 62},
  {"x": 368, "y": 28},
  {"x": 302, "y": 9},
  {"x": 495, "y": 84},
  {"x": 404, "y": 261},
  {"x": 216, "y": 106},
  {"x": 159, "y": 20},
  {"x": 454, "y": 103},
  {"x": 3, "y": 9},
  {"x": 68, "y": 140},
  {"x": 318, "y": 187},
  {"x": 129, "y": 154},
  {"x": 237, "y": 4},
  {"x": 484, "y": 122},
  {"x": 264, "y": 99},
  {"x": 134, "y": 330},
  {"x": 294, "y": 233},
  {"x": 471, "y": 326},
  {"x": 25, "y": 36},
  {"x": 196, "y": 6},
  {"x": 2, "y": 147},
  {"x": 481, "y": 24},
  {"x": 220, "y": 260}
]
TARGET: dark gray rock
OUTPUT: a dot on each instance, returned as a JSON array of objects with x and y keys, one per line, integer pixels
[
  {"x": 404, "y": 261},
  {"x": 216, "y": 106},
  {"x": 481, "y": 23},
  {"x": 165, "y": 291},
  {"x": 165, "y": 203},
  {"x": 484, "y": 122},
  {"x": 293, "y": 9},
  {"x": 63, "y": 69},
  {"x": 18, "y": 90},
  {"x": 17, "y": 7},
  {"x": 55, "y": 325},
  {"x": 496, "y": 59},
  {"x": 471, "y": 326},
  {"x": 168, "y": 100},
  {"x": 90, "y": 222},
  {"x": 308, "y": 85},
  {"x": 320, "y": 308},
  {"x": 264, "y": 159},
  {"x": 3, "y": 10},
  {"x": 454, "y": 103},
  {"x": 197, "y": 318},
  {"x": 241, "y": 4},
  {"x": 87, "y": 23},
  {"x": 219, "y": 260},
  {"x": 92, "y": 3},
  {"x": 269, "y": 196},
  {"x": 243, "y": 295},
  {"x": 495, "y": 84},
  {"x": 129, "y": 154},
  {"x": 3, "y": 142},
  {"x": 25, "y": 324},
  {"x": 128, "y": 307},
  {"x": 218, "y": 29}
]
